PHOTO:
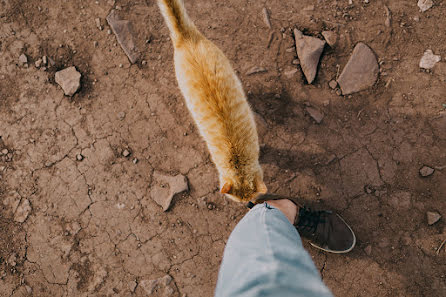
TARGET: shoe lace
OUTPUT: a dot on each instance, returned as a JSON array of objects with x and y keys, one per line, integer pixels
[{"x": 309, "y": 219}]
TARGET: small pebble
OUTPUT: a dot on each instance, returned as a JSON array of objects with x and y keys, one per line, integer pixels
[
  {"x": 135, "y": 161},
  {"x": 79, "y": 157},
  {"x": 38, "y": 63},
  {"x": 5, "y": 151},
  {"x": 23, "y": 59},
  {"x": 144, "y": 62},
  {"x": 295, "y": 62},
  {"x": 120, "y": 65},
  {"x": 432, "y": 217},
  {"x": 44, "y": 60},
  {"x": 95, "y": 43},
  {"x": 126, "y": 153},
  {"x": 333, "y": 84},
  {"x": 426, "y": 171},
  {"x": 109, "y": 31}
]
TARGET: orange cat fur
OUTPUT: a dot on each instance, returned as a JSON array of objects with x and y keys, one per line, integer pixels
[{"x": 217, "y": 102}]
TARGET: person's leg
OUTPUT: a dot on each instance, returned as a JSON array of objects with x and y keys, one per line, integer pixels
[{"x": 264, "y": 256}]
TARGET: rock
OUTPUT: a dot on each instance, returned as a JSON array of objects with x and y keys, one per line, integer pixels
[
  {"x": 135, "y": 161},
  {"x": 98, "y": 23},
  {"x": 426, "y": 171},
  {"x": 165, "y": 187},
  {"x": 428, "y": 60},
  {"x": 165, "y": 283},
  {"x": 425, "y": 4},
  {"x": 289, "y": 72},
  {"x": 368, "y": 250},
  {"x": 165, "y": 280},
  {"x": 124, "y": 34},
  {"x": 5, "y": 151},
  {"x": 255, "y": 70},
  {"x": 315, "y": 114},
  {"x": 23, "y": 59},
  {"x": 361, "y": 71},
  {"x": 126, "y": 153},
  {"x": 331, "y": 37},
  {"x": 38, "y": 63},
  {"x": 333, "y": 84},
  {"x": 309, "y": 50},
  {"x": 265, "y": 15},
  {"x": 308, "y": 8},
  {"x": 22, "y": 212},
  {"x": 295, "y": 62},
  {"x": 44, "y": 60},
  {"x": 132, "y": 285},
  {"x": 79, "y": 157},
  {"x": 69, "y": 80},
  {"x": 432, "y": 217}
]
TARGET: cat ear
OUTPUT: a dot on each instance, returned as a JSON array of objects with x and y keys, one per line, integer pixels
[
  {"x": 227, "y": 187},
  {"x": 261, "y": 187}
]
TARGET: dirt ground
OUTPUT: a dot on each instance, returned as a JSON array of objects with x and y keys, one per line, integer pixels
[{"x": 90, "y": 227}]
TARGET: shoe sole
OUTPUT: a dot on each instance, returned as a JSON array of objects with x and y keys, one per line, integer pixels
[{"x": 338, "y": 252}]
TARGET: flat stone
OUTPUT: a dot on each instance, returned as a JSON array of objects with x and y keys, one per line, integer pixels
[
  {"x": 331, "y": 37},
  {"x": 309, "y": 50},
  {"x": 333, "y": 84},
  {"x": 163, "y": 284},
  {"x": 426, "y": 171},
  {"x": 256, "y": 69},
  {"x": 22, "y": 212},
  {"x": 432, "y": 217},
  {"x": 165, "y": 187},
  {"x": 428, "y": 60},
  {"x": 266, "y": 19},
  {"x": 289, "y": 72},
  {"x": 361, "y": 71},
  {"x": 126, "y": 153},
  {"x": 315, "y": 114},
  {"x": 132, "y": 285},
  {"x": 124, "y": 34},
  {"x": 425, "y": 4},
  {"x": 69, "y": 80},
  {"x": 23, "y": 59}
]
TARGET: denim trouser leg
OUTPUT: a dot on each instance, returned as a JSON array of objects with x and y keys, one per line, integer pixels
[{"x": 264, "y": 256}]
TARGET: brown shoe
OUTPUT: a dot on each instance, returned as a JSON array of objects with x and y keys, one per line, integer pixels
[{"x": 326, "y": 230}]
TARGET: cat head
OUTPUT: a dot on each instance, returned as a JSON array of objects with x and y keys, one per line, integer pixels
[{"x": 244, "y": 189}]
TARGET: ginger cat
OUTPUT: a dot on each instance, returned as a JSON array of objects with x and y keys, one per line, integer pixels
[{"x": 217, "y": 102}]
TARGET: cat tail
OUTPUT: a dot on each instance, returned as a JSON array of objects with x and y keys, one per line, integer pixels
[{"x": 180, "y": 25}]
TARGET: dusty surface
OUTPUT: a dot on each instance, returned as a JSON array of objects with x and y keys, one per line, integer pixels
[{"x": 87, "y": 226}]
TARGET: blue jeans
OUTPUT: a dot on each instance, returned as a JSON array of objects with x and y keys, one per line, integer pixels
[{"x": 264, "y": 256}]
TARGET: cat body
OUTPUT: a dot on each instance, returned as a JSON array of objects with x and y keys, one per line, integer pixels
[{"x": 217, "y": 102}]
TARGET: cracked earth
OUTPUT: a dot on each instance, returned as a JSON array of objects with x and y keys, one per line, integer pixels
[{"x": 77, "y": 174}]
